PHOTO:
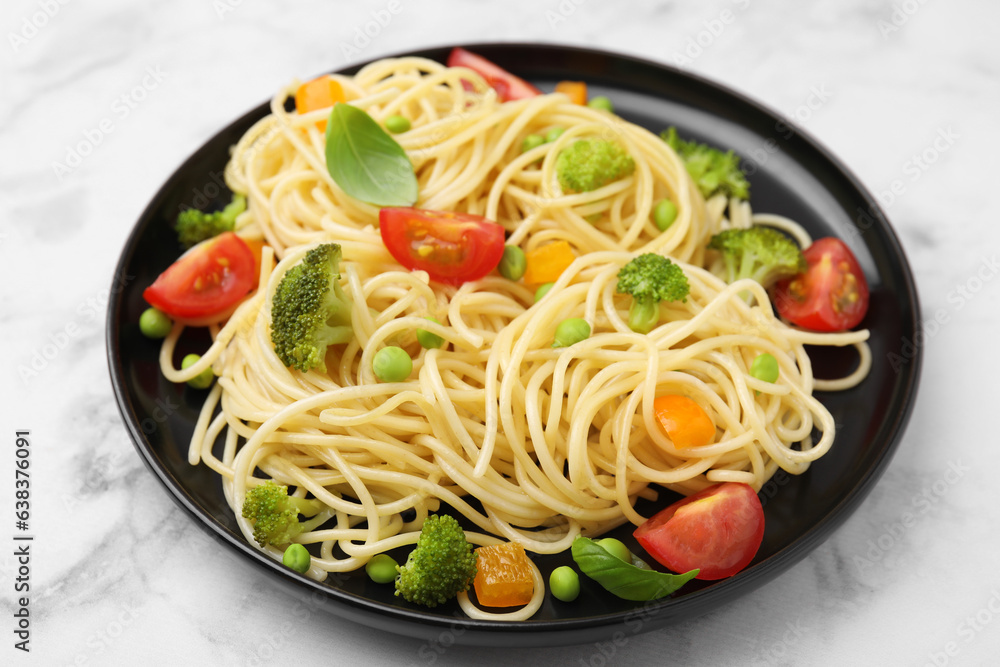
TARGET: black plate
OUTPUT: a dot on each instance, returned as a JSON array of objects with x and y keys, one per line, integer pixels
[{"x": 792, "y": 175}]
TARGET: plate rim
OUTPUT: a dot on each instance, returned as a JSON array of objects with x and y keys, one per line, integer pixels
[{"x": 565, "y": 631}]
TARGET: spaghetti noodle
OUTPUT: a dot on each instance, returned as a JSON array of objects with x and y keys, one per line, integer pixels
[{"x": 528, "y": 442}]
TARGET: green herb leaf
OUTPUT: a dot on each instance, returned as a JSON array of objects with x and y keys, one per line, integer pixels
[
  {"x": 365, "y": 161},
  {"x": 623, "y": 579}
]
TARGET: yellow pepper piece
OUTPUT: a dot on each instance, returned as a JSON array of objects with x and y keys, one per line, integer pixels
[
  {"x": 503, "y": 576},
  {"x": 546, "y": 264},
  {"x": 320, "y": 93}
]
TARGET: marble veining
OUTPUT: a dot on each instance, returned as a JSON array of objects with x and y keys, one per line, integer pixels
[{"x": 102, "y": 100}]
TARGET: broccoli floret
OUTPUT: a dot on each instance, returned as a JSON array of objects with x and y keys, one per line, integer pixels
[
  {"x": 441, "y": 566},
  {"x": 194, "y": 226},
  {"x": 588, "y": 164},
  {"x": 276, "y": 514},
  {"x": 712, "y": 170},
  {"x": 310, "y": 310},
  {"x": 761, "y": 253},
  {"x": 650, "y": 279}
]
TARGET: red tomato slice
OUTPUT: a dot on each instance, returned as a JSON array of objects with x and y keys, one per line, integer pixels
[
  {"x": 832, "y": 295},
  {"x": 717, "y": 530},
  {"x": 208, "y": 279},
  {"x": 508, "y": 86},
  {"x": 452, "y": 247}
]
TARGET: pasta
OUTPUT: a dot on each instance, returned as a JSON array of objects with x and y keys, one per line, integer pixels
[
  {"x": 528, "y": 442},
  {"x": 466, "y": 150}
]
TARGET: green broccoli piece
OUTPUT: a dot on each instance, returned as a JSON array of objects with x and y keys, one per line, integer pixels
[
  {"x": 650, "y": 279},
  {"x": 275, "y": 514},
  {"x": 441, "y": 566},
  {"x": 761, "y": 253},
  {"x": 712, "y": 170},
  {"x": 588, "y": 164},
  {"x": 194, "y": 226},
  {"x": 310, "y": 310}
]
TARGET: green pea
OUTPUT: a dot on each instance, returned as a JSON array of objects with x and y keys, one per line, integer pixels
[
  {"x": 297, "y": 557},
  {"x": 564, "y": 583},
  {"x": 664, "y": 214},
  {"x": 542, "y": 290},
  {"x": 570, "y": 331},
  {"x": 601, "y": 102},
  {"x": 397, "y": 124},
  {"x": 765, "y": 367},
  {"x": 428, "y": 340},
  {"x": 616, "y": 548},
  {"x": 154, "y": 323},
  {"x": 532, "y": 141},
  {"x": 392, "y": 364},
  {"x": 554, "y": 134},
  {"x": 381, "y": 569},
  {"x": 201, "y": 381},
  {"x": 513, "y": 263}
]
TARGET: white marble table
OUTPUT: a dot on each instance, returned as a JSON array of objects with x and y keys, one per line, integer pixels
[{"x": 907, "y": 96}]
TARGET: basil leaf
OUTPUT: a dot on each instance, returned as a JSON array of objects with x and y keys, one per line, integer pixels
[
  {"x": 624, "y": 579},
  {"x": 365, "y": 161}
]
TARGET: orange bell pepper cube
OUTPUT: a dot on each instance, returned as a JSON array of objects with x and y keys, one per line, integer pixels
[
  {"x": 320, "y": 93},
  {"x": 503, "y": 576},
  {"x": 546, "y": 263},
  {"x": 577, "y": 91},
  {"x": 685, "y": 422}
]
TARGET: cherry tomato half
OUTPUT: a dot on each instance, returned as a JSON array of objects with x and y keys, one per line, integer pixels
[
  {"x": 508, "y": 86},
  {"x": 717, "y": 530},
  {"x": 832, "y": 295},
  {"x": 451, "y": 247},
  {"x": 208, "y": 279}
]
